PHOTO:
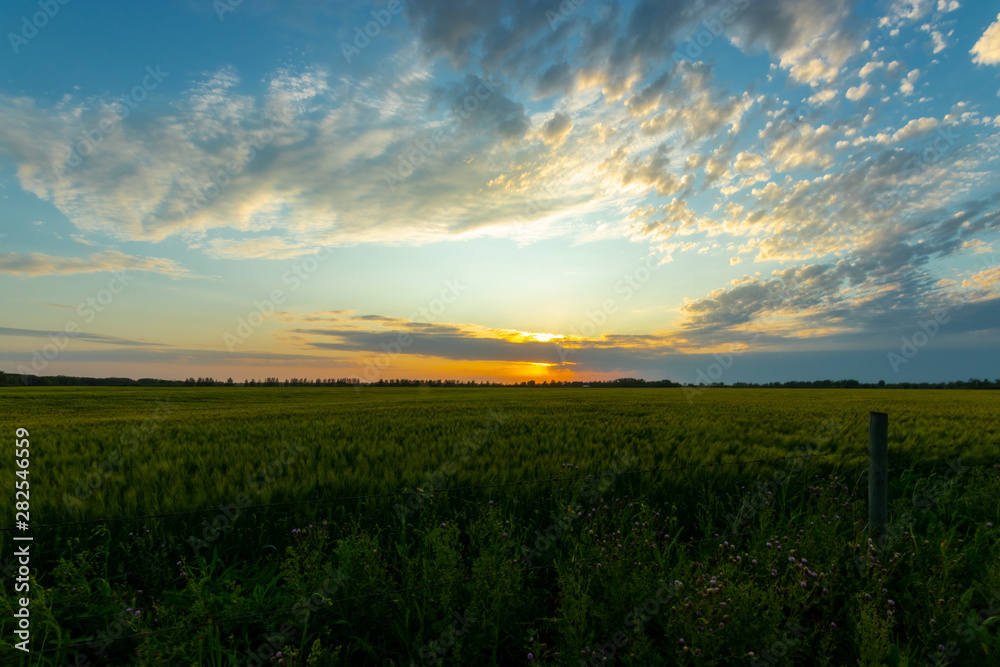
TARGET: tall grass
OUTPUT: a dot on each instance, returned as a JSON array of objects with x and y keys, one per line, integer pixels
[{"x": 604, "y": 551}]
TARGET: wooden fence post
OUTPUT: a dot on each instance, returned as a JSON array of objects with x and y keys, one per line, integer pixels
[{"x": 878, "y": 476}]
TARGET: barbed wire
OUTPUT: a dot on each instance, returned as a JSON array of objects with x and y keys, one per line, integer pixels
[
  {"x": 679, "y": 545},
  {"x": 411, "y": 492},
  {"x": 133, "y": 572}
]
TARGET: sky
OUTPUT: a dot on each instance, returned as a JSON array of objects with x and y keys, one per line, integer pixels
[{"x": 725, "y": 190}]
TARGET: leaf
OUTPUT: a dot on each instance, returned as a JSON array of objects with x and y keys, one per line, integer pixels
[{"x": 966, "y": 598}]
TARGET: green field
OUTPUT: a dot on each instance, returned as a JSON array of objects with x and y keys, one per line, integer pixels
[{"x": 620, "y": 480}]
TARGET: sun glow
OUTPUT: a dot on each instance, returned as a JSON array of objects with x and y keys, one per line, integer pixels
[{"x": 529, "y": 337}]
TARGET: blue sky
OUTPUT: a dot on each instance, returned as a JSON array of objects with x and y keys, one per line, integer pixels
[{"x": 758, "y": 190}]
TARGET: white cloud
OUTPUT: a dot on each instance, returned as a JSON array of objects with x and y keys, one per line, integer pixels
[
  {"x": 870, "y": 67},
  {"x": 906, "y": 11},
  {"x": 937, "y": 39},
  {"x": 987, "y": 50},
  {"x": 915, "y": 128},
  {"x": 822, "y": 97},
  {"x": 855, "y": 93},
  {"x": 333, "y": 169},
  {"x": 906, "y": 87}
]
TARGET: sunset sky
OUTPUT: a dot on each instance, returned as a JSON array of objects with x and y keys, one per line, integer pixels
[{"x": 504, "y": 190}]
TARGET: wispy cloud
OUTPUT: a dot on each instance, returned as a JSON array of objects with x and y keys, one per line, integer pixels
[{"x": 34, "y": 264}]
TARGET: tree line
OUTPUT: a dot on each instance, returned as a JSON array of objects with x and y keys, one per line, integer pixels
[{"x": 18, "y": 380}]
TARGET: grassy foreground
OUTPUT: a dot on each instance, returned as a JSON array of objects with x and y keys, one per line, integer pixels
[{"x": 728, "y": 563}]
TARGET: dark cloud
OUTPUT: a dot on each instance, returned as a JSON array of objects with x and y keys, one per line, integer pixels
[
  {"x": 557, "y": 127},
  {"x": 557, "y": 79},
  {"x": 454, "y": 27},
  {"x": 93, "y": 338},
  {"x": 444, "y": 342},
  {"x": 649, "y": 97},
  {"x": 483, "y": 108},
  {"x": 735, "y": 306}
]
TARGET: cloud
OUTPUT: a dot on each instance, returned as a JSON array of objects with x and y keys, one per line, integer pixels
[
  {"x": 906, "y": 87},
  {"x": 303, "y": 159},
  {"x": 986, "y": 281},
  {"x": 36, "y": 264},
  {"x": 794, "y": 145},
  {"x": 374, "y": 334},
  {"x": 89, "y": 337},
  {"x": 855, "y": 93},
  {"x": 937, "y": 39},
  {"x": 659, "y": 223},
  {"x": 822, "y": 97},
  {"x": 269, "y": 247},
  {"x": 486, "y": 110},
  {"x": 915, "y": 128},
  {"x": 558, "y": 78},
  {"x": 649, "y": 172},
  {"x": 884, "y": 281},
  {"x": 453, "y": 27},
  {"x": 812, "y": 39},
  {"x": 906, "y": 11},
  {"x": 986, "y": 51},
  {"x": 557, "y": 129},
  {"x": 869, "y": 68},
  {"x": 693, "y": 106}
]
